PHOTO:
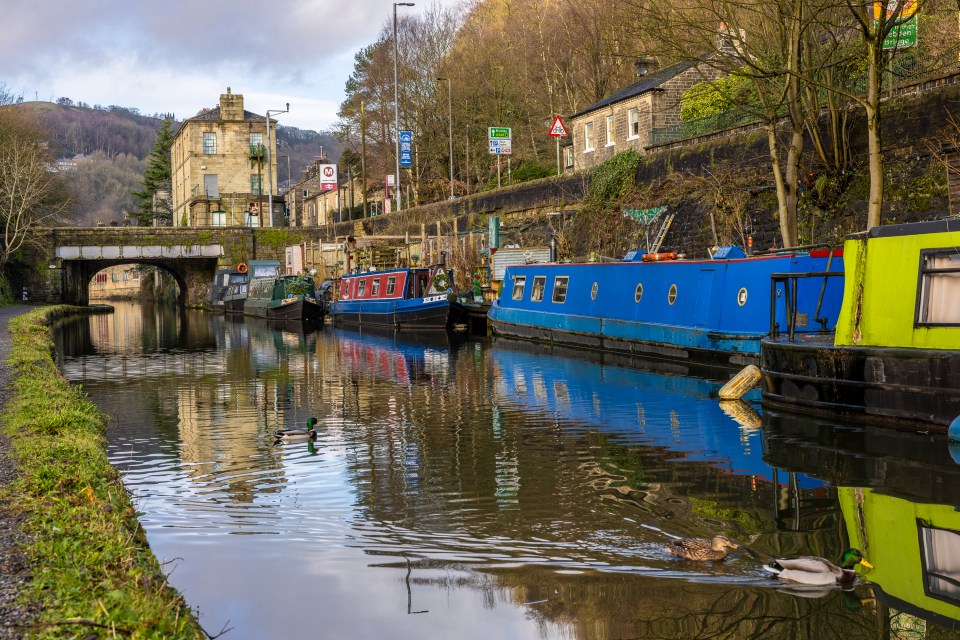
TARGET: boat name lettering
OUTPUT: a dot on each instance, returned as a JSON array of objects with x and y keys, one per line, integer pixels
[{"x": 434, "y": 298}]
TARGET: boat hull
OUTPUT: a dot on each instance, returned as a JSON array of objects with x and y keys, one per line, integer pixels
[
  {"x": 298, "y": 309},
  {"x": 432, "y": 313},
  {"x": 903, "y": 387}
]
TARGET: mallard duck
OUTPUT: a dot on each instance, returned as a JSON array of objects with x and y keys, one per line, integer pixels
[
  {"x": 298, "y": 435},
  {"x": 702, "y": 548},
  {"x": 814, "y": 570}
]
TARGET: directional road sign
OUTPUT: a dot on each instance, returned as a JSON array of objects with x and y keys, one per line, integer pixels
[
  {"x": 500, "y": 147},
  {"x": 499, "y": 133}
]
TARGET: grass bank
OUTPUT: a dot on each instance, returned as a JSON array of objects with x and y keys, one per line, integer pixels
[{"x": 92, "y": 569}]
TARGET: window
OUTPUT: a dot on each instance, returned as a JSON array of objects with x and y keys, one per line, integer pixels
[
  {"x": 588, "y": 137},
  {"x": 938, "y": 552},
  {"x": 211, "y": 182},
  {"x": 519, "y": 282},
  {"x": 218, "y": 218},
  {"x": 391, "y": 285},
  {"x": 638, "y": 294},
  {"x": 568, "y": 157},
  {"x": 939, "y": 299},
  {"x": 539, "y": 284},
  {"x": 363, "y": 286},
  {"x": 633, "y": 123},
  {"x": 375, "y": 287},
  {"x": 560, "y": 289},
  {"x": 256, "y": 182},
  {"x": 209, "y": 143},
  {"x": 256, "y": 139},
  {"x": 593, "y": 291},
  {"x": 610, "y": 136},
  {"x": 672, "y": 294}
]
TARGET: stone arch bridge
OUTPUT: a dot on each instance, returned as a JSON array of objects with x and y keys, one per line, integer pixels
[{"x": 57, "y": 264}]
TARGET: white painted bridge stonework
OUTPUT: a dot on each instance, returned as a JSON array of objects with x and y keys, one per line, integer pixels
[{"x": 138, "y": 252}]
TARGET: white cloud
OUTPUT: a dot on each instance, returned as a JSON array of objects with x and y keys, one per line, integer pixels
[{"x": 179, "y": 56}]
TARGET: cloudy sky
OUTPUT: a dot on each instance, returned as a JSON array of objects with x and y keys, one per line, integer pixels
[{"x": 180, "y": 55}]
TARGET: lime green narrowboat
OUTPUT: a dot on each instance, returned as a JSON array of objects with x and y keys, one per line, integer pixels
[{"x": 895, "y": 354}]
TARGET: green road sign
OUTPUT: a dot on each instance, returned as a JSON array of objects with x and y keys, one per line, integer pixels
[
  {"x": 498, "y": 133},
  {"x": 902, "y": 35}
]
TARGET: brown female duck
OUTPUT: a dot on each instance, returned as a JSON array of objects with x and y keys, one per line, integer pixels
[{"x": 702, "y": 548}]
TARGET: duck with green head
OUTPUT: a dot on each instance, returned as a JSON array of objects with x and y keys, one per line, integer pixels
[
  {"x": 818, "y": 571},
  {"x": 298, "y": 435}
]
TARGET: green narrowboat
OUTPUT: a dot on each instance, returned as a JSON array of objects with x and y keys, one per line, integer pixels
[{"x": 895, "y": 354}]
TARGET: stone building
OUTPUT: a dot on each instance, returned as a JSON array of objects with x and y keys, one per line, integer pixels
[
  {"x": 623, "y": 120},
  {"x": 310, "y": 206},
  {"x": 219, "y": 168}
]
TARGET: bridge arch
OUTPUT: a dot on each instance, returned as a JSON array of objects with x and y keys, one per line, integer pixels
[{"x": 90, "y": 271}]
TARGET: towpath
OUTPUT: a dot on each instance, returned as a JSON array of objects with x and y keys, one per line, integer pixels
[{"x": 14, "y": 571}]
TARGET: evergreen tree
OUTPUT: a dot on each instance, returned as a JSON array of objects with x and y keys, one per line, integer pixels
[{"x": 154, "y": 199}]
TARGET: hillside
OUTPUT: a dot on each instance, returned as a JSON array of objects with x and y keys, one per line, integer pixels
[{"x": 109, "y": 145}]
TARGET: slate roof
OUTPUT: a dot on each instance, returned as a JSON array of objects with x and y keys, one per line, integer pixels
[
  {"x": 646, "y": 83},
  {"x": 214, "y": 114}
]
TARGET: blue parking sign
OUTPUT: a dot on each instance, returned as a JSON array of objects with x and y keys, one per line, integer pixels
[{"x": 406, "y": 148}]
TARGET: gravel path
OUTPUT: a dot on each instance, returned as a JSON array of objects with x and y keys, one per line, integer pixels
[{"x": 14, "y": 571}]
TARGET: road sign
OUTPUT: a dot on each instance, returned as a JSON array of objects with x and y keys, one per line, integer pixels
[
  {"x": 406, "y": 148},
  {"x": 500, "y": 147},
  {"x": 902, "y": 35},
  {"x": 558, "y": 130},
  {"x": 499, "y": 133},
  {"x": 328, "y": 177}
]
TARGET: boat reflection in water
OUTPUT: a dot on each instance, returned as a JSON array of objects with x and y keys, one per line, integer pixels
[
  {"x": 677, "y": 413},
  {"x": 899, "y": 496},
  {"x": 383, "y": 355}
]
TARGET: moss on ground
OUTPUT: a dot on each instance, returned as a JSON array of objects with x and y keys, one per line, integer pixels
[{"x": 93, "y": 571}]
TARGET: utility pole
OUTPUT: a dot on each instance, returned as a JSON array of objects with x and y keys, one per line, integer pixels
[{"x": 363, "y": 156}]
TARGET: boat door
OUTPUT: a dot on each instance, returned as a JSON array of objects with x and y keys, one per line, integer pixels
[{"x": 705, "y": 307}]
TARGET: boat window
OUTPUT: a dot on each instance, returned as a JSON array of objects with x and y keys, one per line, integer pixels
[
  {"x": 593, "y": 291},
  {"x": 939, "y": 549},
  {"x": 375, "y": 287},
  {"x": 939, "y": 299},
  {"x": 672, "y": 294},
  {"x": 391, "y": 285},
  {"x": 363, "y": 285},
  {"x": 560, "y": 289},
  {"x": 539, "y": 284},
  {"x": 518, "y": 284},
  {"x": 638, "y": 293}
]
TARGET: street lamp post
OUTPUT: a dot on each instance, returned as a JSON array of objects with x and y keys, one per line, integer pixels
[
  {"x": 396, "y": 99},
  {"x": 270, "y": 162},
  {"x": 450, "y": 130}
]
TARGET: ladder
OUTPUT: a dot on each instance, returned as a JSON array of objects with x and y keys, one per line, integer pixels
[{"x": 662, "y": 233}]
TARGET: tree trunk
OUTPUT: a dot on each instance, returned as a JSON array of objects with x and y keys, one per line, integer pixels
[{"x": 872, "y": 109}]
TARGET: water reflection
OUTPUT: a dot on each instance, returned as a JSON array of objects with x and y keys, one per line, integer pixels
[{"x": 462, "y": 489}]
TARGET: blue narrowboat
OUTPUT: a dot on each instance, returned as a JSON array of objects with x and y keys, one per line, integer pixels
[
  {"x": 711, "y": 312},
  {"x": 404, "y": 299}
]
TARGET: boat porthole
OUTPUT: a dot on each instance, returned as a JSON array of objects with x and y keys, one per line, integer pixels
[
  {"x": 638, "y": 293},
  {"x": 742, "y": 296},
  {"x": 593, "y": 291},
  {"x": 672, "y": 294}
]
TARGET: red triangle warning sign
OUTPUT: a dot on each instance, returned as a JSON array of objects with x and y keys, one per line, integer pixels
[{"x": 558, "y": 130}]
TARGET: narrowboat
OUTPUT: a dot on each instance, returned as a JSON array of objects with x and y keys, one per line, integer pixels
[
  {"x": 235, "y": 296},
  {"x": 710, "y": 312},
  {"x": 287, "y": 298},
  {"x": 895, "y": 354},
  {"x": 222, "y": 281},
  {"x": 404, "y": 299}
]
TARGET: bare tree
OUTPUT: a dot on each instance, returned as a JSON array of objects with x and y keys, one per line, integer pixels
[{"x": 31, "y": 195}]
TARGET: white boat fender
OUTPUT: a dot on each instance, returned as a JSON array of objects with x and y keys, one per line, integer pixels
[{"x": 741, "y": 383}]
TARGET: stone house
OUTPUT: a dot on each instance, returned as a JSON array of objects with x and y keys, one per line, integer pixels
[
  {"x": 219, "y": 168},
  {"x": 624, "y": 119},
  {"x": 310, "y": 206}
]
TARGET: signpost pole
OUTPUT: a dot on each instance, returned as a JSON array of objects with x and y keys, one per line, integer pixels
[
  {"x": 558, "y": 156},
  {"x": 498, "y": 172}
]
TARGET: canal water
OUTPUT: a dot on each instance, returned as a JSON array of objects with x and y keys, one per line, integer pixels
[{"x": 486, "y": 488}]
